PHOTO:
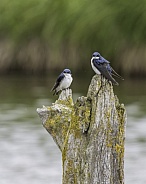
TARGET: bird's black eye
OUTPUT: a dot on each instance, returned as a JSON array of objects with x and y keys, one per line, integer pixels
[
  {"x": 66, "y": 71},
  {"x": 96, "y": 55}
]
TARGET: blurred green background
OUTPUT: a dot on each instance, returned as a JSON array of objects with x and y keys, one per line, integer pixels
[{"x": 42, "y": 36}]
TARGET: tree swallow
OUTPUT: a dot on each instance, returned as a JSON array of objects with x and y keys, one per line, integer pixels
[
  {"x": 101, "y": 66},
  {"x": 63, "y": 81}
]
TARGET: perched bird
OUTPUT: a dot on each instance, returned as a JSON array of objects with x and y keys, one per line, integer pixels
[
  {"x": 101, "y": 66},
  {"x": 63, "y": 81}
]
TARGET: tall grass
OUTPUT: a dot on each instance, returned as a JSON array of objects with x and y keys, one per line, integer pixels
[{"x": 42, "y": 35}]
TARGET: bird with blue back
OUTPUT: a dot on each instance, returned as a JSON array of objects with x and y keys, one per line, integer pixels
[
  {"x": 63, "y": 81},
  {"x": 101, "y": 66}
]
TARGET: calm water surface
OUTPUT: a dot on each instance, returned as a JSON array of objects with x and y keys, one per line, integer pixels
[{"x": 28, "y": 155}]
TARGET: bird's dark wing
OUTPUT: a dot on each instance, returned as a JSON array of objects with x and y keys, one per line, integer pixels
[
  {"x": 60, "y": 77},
  {"x": 116, "y": 74},
  {"x": 103, "y": 68}
]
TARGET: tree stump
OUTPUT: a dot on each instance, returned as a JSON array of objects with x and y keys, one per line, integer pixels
[{"x": 90, "y": 134}]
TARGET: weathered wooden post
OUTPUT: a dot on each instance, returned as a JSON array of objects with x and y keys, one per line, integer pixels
[{"x": 89, "y": 133}]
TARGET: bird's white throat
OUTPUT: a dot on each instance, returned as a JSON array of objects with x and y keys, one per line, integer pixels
[
  {"x": 66, "y": 82},
  {"x": 94, "y": 58},
  {"x": 93, "y": 67},
  {"x": 68, "y": 75}
]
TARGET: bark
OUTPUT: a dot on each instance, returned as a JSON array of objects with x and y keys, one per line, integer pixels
[{"x": 89, "y": 133}]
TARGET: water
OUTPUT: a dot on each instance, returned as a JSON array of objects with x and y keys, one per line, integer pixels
[{"x": 28, "y": 155}]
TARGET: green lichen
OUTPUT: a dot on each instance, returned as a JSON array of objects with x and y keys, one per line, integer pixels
[
  {"x": 68, "y": 102},
  {"x": 119, "y": 147},
  {"x": 80, "y": 116},
  {"x": 109, "y": 130},
  {"x": 59, "y": 117},
  {"x": 121, "y": 131}
]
